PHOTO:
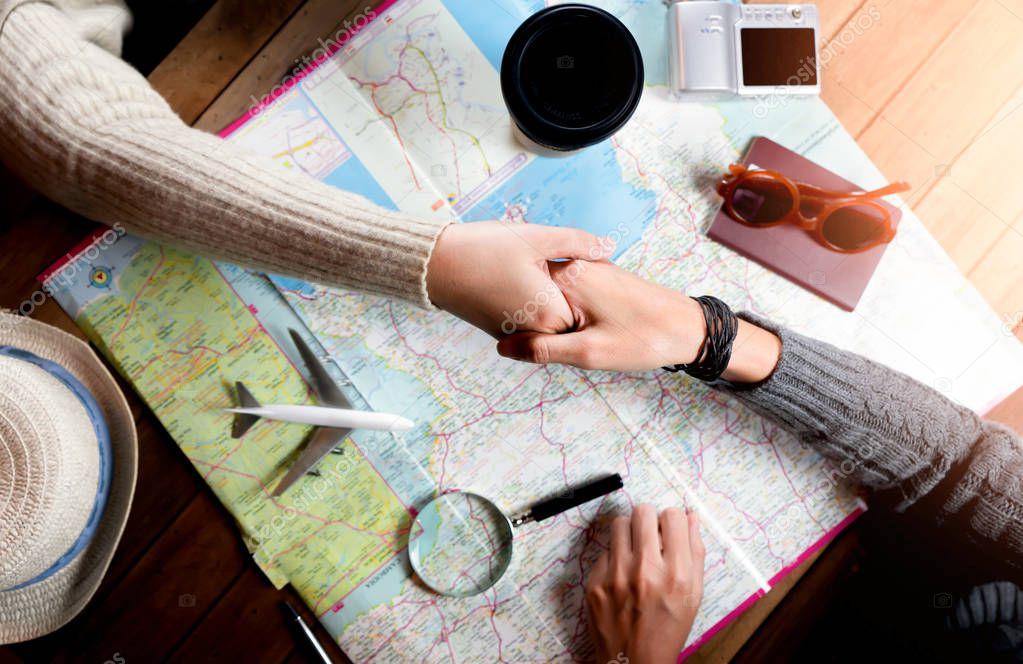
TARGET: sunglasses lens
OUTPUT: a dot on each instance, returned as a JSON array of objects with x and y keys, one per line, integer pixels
[
  {"x": 761, "y": 200},
  {"x": 854, "y": 227}
]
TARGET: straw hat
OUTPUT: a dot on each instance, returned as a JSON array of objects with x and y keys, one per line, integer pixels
[{"x": 68, "y": 456}]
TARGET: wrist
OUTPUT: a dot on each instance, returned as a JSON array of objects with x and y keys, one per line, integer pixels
[
  {"x": 437, "y": 270},
  {"x": 755, "y": 351},
  {"x": 687, "y": 331},
  {"x": 755, "y": 354}
]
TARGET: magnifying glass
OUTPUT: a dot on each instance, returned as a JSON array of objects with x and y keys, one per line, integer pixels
[{"x": 461, "y": 542}]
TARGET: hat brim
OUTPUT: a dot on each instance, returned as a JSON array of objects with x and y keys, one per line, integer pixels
[{"x": 43, "y": 607}]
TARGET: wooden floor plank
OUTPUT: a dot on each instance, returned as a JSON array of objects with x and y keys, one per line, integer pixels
[
  {"x": 999, "y": 274},
  {"x": 1010, "y": 108},
  {"x": 317, "y": 19},
  {"x": 166, "y": 485},
  {"x": 878, "y": 49},
  {"x": 834, "y": 15},
  {"x": 1010, "y": 412},
  {"x": 947, "y": 103},
  {"x": 252, "y": 609},
  {"x": 976, "y": 200},
  {"x": 164, "y": 595},
  {"x": 25, "y": 250},
  {"x": 991, "y": 166},
  {"x": 229, "y": 35}
]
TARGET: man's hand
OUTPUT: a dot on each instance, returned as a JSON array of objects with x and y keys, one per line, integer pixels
[
  {"x": 496, "y": 275},
  {"x": 643, "y": 594}
]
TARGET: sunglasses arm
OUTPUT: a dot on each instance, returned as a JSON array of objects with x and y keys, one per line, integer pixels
[{"x": 893, "y": 188}]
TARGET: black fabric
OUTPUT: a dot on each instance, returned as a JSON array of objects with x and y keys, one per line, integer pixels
[{"x": 157, "y": 28}]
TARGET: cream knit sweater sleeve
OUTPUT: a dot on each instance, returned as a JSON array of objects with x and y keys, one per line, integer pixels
[{"x": 88, "y": 131}]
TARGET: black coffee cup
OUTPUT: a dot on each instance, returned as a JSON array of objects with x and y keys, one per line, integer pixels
[{"x": 571, "y": 75}]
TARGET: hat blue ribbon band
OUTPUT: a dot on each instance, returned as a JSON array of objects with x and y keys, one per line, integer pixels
[{"x": 105, "y": 466}]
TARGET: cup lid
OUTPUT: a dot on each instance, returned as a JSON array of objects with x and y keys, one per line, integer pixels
[{"x": 571, "y": 75}]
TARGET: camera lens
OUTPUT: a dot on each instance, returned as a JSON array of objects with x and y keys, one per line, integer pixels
[{"x": 571, "y": 76}]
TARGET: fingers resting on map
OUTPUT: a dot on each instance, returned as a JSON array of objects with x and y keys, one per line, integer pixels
[{"x": 643, "y": 593}]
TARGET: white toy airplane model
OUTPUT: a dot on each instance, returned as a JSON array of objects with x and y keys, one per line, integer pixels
[{"x": 335, "y": 417}]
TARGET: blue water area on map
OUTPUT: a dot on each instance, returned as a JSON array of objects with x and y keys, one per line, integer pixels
[
  {"x": 391, "y": 390},
  {"x": 352, "y": 175},
  {"x": 585, "y": 191},
  {"x": 490, "y": 23},
  {"x": 302, "y": 288},
  {"x": 381, "y": 589}
]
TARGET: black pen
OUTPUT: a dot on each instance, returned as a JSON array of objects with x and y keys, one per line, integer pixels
[
  {"x": 314, "y": 645},
  {"x": 573, "y": 497}
]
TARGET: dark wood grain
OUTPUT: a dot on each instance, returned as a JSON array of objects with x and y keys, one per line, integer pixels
[
  {"x": 218, "y": 47},
  {"x": 1010, "y": 412},
  {"x": 253, "y": 612},
  {"x": 31, "y": 238},
  {"x": 784, "y": 629},
  {"x": 8, "y": 656},
  {"x": 254, "y": 617},
  {"x": 289, "y": 48},
  {"x": 165, "y": 594}
]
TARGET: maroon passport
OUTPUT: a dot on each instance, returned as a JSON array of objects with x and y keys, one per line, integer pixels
[{"x": 789, "y": 250}]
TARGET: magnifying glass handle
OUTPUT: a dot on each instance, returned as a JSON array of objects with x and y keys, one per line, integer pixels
[{"x": 569, "y": 499}]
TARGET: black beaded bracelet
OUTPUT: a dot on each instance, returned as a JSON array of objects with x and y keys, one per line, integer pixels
[{"x": 716, "y": 349}]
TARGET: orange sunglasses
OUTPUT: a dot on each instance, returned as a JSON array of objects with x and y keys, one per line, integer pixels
[{"x": 839, "y": 220}]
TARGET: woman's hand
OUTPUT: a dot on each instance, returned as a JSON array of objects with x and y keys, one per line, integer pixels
[
  {"x": 643, "y": 594},
  {"x": 496, "y": 275},
  {"x": 625, "y": 323}
]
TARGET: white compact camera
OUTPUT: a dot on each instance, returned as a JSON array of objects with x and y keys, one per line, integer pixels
[{"x": 722, "y": 50}]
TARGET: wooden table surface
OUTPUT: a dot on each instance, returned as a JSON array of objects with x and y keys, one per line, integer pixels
[{"x": 932, "y": 91}]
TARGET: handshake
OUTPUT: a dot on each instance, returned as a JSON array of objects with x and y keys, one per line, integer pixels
[{"x": 550, "y": 295}]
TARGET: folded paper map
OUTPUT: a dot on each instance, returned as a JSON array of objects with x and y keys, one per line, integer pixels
[{"x": 408, "y": 112}]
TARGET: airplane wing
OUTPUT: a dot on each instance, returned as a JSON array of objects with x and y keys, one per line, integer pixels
[
  {"x": 323, "y": 439},
  {"x": 322, "y": 442},
  {"x": 323, "y": 385}
]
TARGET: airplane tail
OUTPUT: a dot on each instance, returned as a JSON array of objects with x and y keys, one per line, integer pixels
[{"x": 243, "y": 422}]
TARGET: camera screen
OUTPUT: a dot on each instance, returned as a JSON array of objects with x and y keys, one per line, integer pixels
[{"x": 778, "y": 56}]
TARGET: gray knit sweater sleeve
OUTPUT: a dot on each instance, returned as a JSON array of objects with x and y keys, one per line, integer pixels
[{"x": 888, "y": 431}]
